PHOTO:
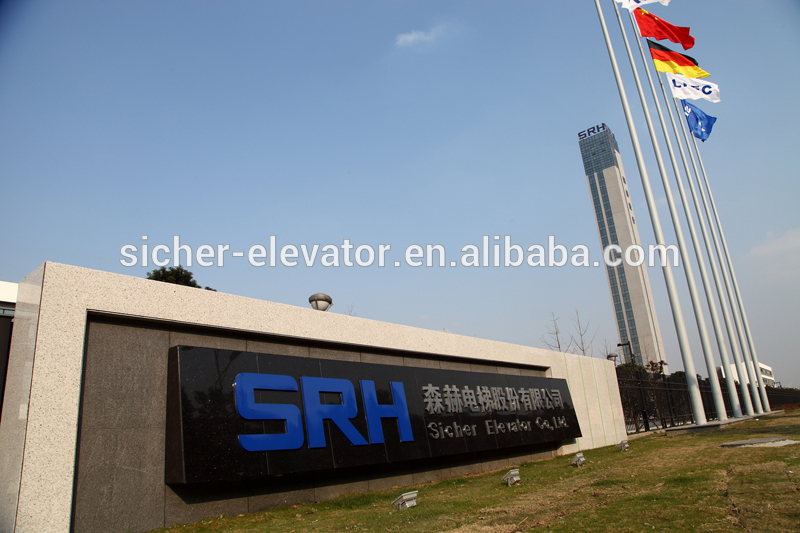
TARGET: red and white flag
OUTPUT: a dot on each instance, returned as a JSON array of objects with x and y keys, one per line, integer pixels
[{"x": 633, "y": 4}]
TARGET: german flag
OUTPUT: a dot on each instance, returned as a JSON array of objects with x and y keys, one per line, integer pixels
[{"x": 668, "y": 61}]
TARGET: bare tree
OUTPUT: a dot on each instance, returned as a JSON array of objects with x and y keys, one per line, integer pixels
[
  {"x": 581, "y": 343},
  {"x": 554, "y": 338},
  {"x": 610, "y": 349},
  {"x": 350, "y": 310}
]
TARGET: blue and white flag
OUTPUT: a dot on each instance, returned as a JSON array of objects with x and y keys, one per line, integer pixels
[
  {"x": 699, "y": 122},
  {"x": 630, "y": 5},
  {"x": 689, "y": 88}
]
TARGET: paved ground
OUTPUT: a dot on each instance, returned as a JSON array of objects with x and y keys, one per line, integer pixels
[{"x": 751, "y": 442}]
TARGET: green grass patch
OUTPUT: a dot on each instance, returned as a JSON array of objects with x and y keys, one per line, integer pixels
[{"x": 663, "y": 483}]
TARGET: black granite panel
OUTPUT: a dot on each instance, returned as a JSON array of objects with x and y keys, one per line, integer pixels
[
  {"x": 319, "y": 405},
  {"x": 209, "y": 423},
  {"x": 173, "y": 439},
  {"x": 120, "y": 483},
  {"x": 120, "y": 462},
  {"x": 127, "y": 369}
]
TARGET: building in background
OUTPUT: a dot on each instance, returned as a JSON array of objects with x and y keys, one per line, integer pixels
[
  {"x": 629, "y": 285},
  {"x": 766, "y": 373},
  {"x": 8, "y": 303}
]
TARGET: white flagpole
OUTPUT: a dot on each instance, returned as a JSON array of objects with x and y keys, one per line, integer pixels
[
  {"x": 723, "y": 352},
  {"x": 761, "y": 387},
  {"x": 733, "y": 329},
  {"x": 716, "y": 391},
  {"x": 757, "y": 384},
  {"x": 688, "y": 364}
]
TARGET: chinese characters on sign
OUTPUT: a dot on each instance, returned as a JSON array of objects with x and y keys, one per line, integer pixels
[{"x": 450, "y": 399}]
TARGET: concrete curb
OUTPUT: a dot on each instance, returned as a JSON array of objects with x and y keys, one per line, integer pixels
[{"x": 711, "y": 426}]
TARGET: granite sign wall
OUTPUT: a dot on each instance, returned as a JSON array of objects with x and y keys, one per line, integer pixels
[
  {"x": 233, "y": 415},
  {"x": 132, "y": 405}
]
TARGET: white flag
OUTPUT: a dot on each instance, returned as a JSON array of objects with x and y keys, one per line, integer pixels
[
  {"x": 683, "y": 88},
  {"x": 633, "y": 4}
]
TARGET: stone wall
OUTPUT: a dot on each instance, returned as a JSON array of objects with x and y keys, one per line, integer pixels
[{"x": 84, "y": 414}]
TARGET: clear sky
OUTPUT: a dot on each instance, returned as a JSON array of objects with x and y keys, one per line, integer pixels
[{"x": 413, "y": 122}]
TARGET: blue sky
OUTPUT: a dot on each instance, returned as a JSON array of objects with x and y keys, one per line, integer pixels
[{"x": 385, "y": 123}]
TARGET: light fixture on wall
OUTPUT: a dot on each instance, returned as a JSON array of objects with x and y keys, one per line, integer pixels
[{"x": 320, "y": 301}]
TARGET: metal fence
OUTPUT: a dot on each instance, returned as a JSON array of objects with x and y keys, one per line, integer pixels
[
  {"x": 780, "y": 397},
  {"x": 655, "y": 401}
]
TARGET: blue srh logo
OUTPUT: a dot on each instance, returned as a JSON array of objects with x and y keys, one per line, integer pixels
[
  {"x": 591, "y": 131},
  {"x": 246, "y": 384}
]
